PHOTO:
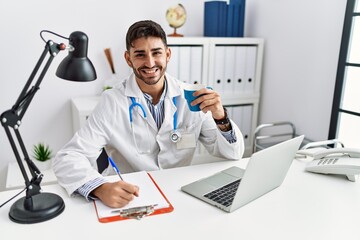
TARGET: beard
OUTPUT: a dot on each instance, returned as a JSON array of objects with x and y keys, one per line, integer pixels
[{"x": 149, "y": 80}]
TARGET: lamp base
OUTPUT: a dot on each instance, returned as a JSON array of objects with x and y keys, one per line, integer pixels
[{"x": 45, "y": 206}]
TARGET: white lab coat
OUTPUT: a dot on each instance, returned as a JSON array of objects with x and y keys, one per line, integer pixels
[{"x": 109, "y": 126}]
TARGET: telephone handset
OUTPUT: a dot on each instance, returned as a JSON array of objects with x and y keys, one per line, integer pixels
[
  {"x": 344, "y": 161},
  {"x": 315, "y": 153}
]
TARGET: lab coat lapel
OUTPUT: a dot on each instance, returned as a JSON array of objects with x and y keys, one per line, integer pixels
[
  {"x": 169, "y": 106},
  {"x": 169, "y": 110}
]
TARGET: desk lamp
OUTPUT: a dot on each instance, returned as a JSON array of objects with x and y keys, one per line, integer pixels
[{"x": 38, "y": 206}]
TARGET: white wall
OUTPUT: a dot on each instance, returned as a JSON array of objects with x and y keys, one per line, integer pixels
[{"x": 302, "y": 43}]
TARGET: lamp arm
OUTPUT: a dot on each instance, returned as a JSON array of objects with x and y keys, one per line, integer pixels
[
  {"x": 26, "y": 95},
  {"x": 12, "y": 119}
]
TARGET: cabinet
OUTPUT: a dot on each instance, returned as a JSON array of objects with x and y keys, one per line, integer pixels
[
  {"x": 15, "y": 179},
  {"x": 231, "y": 66},
  {"x": 81, "y": 108}
]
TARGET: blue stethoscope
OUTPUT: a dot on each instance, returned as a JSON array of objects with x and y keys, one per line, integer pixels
[{"x": 175, "y": 135}]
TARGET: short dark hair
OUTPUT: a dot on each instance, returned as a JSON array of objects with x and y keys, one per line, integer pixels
[{"x": 145, "y": 28}]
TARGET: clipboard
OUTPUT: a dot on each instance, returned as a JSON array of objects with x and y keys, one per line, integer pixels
[{"x": 136, "y": 210}]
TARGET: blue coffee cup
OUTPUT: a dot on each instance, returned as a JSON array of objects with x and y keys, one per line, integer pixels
[{"x": 189, "y": 90}]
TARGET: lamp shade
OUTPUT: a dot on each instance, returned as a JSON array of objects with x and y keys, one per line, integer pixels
[{"x": 77, "y": 66}]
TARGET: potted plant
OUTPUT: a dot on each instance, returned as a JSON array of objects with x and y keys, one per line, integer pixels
[{"x": 43, "y": 154}]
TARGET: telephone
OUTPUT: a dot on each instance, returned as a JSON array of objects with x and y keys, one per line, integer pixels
[{"x": 344, "y": 161}]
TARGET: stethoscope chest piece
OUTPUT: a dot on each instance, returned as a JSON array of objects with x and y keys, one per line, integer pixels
[{"x": 175, "y": 136}]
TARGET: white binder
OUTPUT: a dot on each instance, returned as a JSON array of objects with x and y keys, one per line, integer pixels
[
  {"x": 242, "y": 116},
  {"x": 229, "y": 72},
  {"x": 250, "y": 69},
  {"x": 184, "y": 63},
  {"x": 240, "y": 67},
  {"x": 219, "y": 66},
  {"x": 173, "y": 65},
  {"x": 196, "y": 64}
]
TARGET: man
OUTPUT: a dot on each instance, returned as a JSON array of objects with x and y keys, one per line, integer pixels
[{"x": 138, "y": 122}]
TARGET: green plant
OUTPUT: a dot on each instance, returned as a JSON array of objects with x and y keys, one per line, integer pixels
[
  {"x": 106, "y": 88},
  {"x": 42, "y": 152}
]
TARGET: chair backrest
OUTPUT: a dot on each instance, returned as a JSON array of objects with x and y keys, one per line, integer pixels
[
  {"x": 268, "y": 134},
  {"x": 102, "y": 161}
]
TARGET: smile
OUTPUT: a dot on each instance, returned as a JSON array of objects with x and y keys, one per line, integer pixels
[{"x": 149, "y": 71}]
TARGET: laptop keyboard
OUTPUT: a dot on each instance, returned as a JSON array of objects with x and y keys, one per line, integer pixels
[{"x": 224, "y": 195}]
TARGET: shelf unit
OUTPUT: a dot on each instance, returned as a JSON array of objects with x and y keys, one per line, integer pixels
[
  {"x": 81, "y": 108},
  {"x": 231, "y": 66}
]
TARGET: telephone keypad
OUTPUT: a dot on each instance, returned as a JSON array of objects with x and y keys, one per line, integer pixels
[{"x": 328, "y": 161}]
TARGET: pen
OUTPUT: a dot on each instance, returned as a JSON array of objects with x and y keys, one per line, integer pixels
[{"x": 115, "y": 168}]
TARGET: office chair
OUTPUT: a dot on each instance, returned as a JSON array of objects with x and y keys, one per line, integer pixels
[
  {"x": 269, "y": 134},
  {"x": 102, "y": 161}
]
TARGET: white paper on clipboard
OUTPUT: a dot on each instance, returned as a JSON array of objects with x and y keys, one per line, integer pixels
[{"x": 149, "y": 194}]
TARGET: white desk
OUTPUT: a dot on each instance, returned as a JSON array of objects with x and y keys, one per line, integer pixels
[{"x": 307, "y": 206}]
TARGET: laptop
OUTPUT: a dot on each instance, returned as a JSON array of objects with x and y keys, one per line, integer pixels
[{"x": 234, "y": 187}]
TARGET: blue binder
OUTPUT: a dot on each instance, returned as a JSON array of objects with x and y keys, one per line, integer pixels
[
  {"x": 230, "y": 20},
  {"x": 238, "y": 17},
  {"x": 222, "y": 20},
  {"x": 242, "y": 18},
  {"x": 211, "y": 18},
  {"x": 215, "y": 18}
]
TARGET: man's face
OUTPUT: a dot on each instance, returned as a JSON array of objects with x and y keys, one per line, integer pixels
[{"x": 148, "y": 58}]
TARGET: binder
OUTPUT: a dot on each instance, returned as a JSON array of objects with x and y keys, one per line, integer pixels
[
  {"x": 236, "y": 22},
  {"x": 230, "y": 20},
  {"x": 246, "y": 123},
  {"x": 211, "y": 18},
  {"x": 219, "y": 66},
  {"x": 230, "y": 112},
  {"x": 240, "y": 66},
  {"x": 173, "y": 65},
  {"x": 242, "y": 18},
  {"x": 196, "y": 64},
  {"x": 184, "y": 63},
  {"x": 215, "y": 18},
  {"x": 242, "y": 116},
  {"x": 151, "y": 201},
  {"x": 239, "y": 17},
  {"x": 250, "y": 69},
  {"x": 229, "y": 71},
  {"x": 222, "y": 19}
]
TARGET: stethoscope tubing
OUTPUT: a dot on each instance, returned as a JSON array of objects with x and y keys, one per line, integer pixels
[
  {"x": 175, "y": 135},
  {"x": 131, "y": 108}
]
